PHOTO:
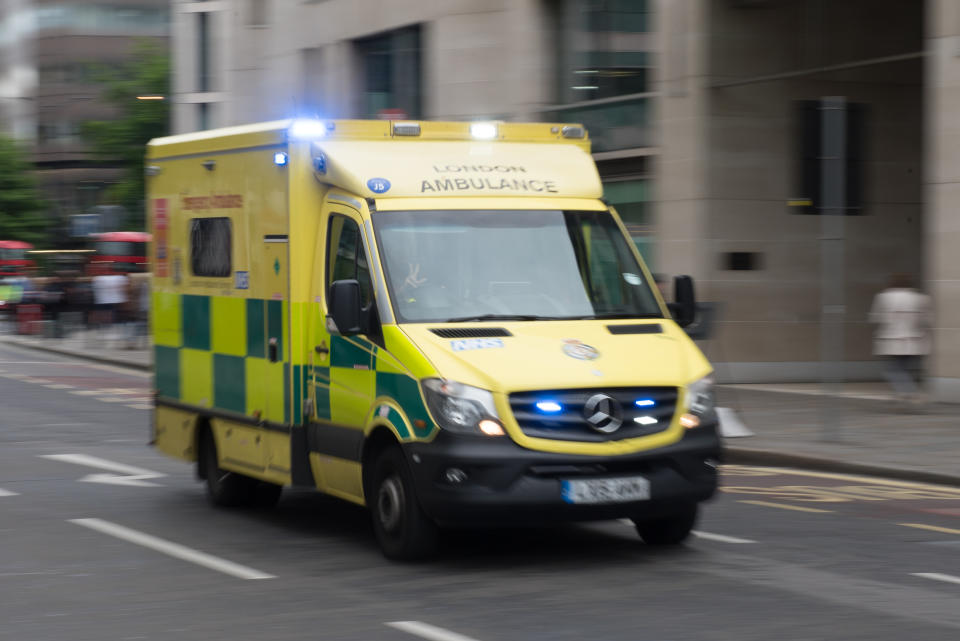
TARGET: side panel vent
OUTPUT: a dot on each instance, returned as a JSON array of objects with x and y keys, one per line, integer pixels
[
  {"x": 644, "y": 328},
  {"x": 470, "y": 332}
]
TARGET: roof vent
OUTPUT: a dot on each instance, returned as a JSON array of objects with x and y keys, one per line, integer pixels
[{"x": 643, "y": 328}]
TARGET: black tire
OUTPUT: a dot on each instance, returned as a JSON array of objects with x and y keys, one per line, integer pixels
[
  {"x": 404, "y": 532},
  {"x": 671, "y": 530},
  {"x": 265, "y": 495},
  {"x": 224, "y": 488}
]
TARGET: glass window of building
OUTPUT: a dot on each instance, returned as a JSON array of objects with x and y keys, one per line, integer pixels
[
  {"x": 631, "y": 199},
  {"x": 604, "y": 54},
  {"x": 392, "y": 80}
]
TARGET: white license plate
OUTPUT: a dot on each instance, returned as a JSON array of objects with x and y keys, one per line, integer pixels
[{"x": 619, "y": 490}]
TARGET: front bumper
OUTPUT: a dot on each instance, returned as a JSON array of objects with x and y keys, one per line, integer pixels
[{"x": 507, "y": 484}]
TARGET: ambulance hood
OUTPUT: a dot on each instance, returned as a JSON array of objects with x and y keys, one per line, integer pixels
[{"x": 563, "y": 354}]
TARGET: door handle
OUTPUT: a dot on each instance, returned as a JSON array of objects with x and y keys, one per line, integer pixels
[
  {"x": 322, "y": 348},
  {"x": 272, "y": 349}
]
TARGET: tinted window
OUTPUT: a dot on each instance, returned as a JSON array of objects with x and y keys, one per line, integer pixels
[
  {"x": 210, "y": 247},
  {"x": 346, "y": 258}
]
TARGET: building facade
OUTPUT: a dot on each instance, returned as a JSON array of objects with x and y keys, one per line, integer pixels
[
  {"x": 709, "y": 129},
  {"x": 51, "y": 54}
]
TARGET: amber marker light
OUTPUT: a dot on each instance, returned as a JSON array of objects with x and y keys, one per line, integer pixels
[
  {"x": 689, "y": 421},
  {"x": 490, "y": 428}
]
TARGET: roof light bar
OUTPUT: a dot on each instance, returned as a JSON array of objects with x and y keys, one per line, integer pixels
[
  {"x": 406, "y": 129},
  {"x": 573, "y": 131},
  {"x": 483, "y": 130},
  {"x": 308, "y": 129}
]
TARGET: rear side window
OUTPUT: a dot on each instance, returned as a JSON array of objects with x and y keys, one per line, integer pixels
[{"x": 210, "y": 247}]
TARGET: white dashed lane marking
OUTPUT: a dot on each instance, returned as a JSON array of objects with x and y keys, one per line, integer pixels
[
  {"x": 935, "y": 576},
  {"x": 427, "y": 631},
  {"x": 133, "y": 398},
  {"x": 174, "y": 549},
  {"x": 4, "y": 492}
]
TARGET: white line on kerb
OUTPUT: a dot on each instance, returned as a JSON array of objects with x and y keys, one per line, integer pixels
[
  {"x": 173, "y": 549},
  {"x": 946, "y": 578},
  {"x": 428, "y": 631},
  {"x": 722, "y": 538}
]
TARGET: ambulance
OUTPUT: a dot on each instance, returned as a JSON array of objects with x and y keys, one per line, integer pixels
[{"x": 443, "y": 322}]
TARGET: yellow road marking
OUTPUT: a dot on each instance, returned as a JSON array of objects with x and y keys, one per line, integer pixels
[
  {"x": 784, "y": 506},
  {"x": 756, "y": 471},
  {"x": 934, "y": 528}
]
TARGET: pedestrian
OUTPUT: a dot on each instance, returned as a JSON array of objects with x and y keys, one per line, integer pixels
[
  {"x": 110, "y": 294},
  {"x": 904, "y": 318}
]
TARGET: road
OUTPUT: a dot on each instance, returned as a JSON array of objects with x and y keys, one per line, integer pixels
[{"x": 103, "y": 538}]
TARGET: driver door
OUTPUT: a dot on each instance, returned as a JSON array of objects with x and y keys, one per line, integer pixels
[{"x": 344, "y": 376}]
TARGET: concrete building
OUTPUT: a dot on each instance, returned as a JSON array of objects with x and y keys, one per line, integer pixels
[
  {"x": 707, "y": 126},
  {"x": 50, "y": 53}
]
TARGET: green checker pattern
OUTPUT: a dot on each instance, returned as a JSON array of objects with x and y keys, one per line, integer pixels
[
  {"x": 357, "y": 355},
  {"x": 263, "y": 318}
]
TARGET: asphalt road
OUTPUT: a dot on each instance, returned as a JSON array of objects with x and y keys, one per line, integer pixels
[{"x": 91, "y": 519}]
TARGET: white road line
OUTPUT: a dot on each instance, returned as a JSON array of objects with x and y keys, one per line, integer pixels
[
  {"x": 112, "y": 399},
  {"x": 428, "y": 631},
  {"x": 173, "y": 549},
  {"x": 722, "y": 538},
  {"x": 935, "y": 576},
  {"x": 4, "y": 492},
  {"x": 130, "y": 475},
  {"x": 120, "y": 390},
  {"x": 707, "y": 536},
  {"x": 85, "y": 392},
  {"x": 140, "y": 406},
  {"x": 58, "y": 386}
]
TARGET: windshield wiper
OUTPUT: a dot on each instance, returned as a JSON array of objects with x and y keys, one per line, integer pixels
[{"x": 498, "y": 317}]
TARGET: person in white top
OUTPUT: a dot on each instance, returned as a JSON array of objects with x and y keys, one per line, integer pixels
[{"x": 904, "y": 318}]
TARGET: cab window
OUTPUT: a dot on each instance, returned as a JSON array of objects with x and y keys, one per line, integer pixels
[{"x": 346, "y": 258}]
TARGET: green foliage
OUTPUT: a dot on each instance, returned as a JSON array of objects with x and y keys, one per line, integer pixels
[
  {"x": 123, "y": 139},
  {"x": 22, "y": 215}
]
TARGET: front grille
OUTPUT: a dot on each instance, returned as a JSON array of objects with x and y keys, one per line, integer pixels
[
  {"x": 470, "y": 332},
  {"x": 571, "y": 424}
]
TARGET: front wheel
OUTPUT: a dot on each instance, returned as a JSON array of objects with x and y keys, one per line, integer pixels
[
  {"x": 671, "y": 530},
  {"x": 403, "y": 530}
]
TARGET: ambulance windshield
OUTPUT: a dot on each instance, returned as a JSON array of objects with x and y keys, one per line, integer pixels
[{"x": 461, "y": 266}]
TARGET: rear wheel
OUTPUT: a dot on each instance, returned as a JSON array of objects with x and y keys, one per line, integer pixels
[
  {"x": 403, "y": 530},
  {"x": 224, "y": 488},
  {"x": 671, "y": 530}
]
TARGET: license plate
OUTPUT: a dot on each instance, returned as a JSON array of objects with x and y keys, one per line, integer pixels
[{"x": 619, "y": 490}]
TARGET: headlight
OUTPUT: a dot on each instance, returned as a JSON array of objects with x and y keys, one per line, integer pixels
[
  {"x": 700, "y": 403},
  {"x": 461, "y": 408}
]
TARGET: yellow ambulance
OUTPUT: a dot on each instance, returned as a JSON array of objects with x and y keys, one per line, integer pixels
[{"x": 441, "y": 321}]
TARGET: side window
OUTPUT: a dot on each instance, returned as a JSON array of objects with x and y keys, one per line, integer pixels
[
  {"x": 210, "y": 247},
  {"x": 346, "y": 258}
]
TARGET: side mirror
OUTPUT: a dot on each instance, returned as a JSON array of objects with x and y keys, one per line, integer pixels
[
  {"x": 345, "y": 308},
  {"x": 684, "y": 307}
]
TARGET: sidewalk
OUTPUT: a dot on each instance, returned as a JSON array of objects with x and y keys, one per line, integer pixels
[
  {"x": 104, "y": 346},
  {"x": 857, "y": 429}
]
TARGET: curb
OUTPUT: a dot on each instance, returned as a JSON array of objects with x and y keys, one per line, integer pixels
[
  {"x": 748, "y": 456},
  {"x": 83, "y": 355}
]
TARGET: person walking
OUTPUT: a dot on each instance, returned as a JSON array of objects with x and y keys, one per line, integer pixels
[{"x": 904, "y": 318}]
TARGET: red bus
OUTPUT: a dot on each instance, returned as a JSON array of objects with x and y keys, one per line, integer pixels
[
  {"x": 119, "y": 252},
  {"x": 13, "y": 258}
]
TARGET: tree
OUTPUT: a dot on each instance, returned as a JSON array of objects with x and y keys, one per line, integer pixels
[
  {"x": 22, "y": 211},
  {"x": 123, "y": 139}
]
